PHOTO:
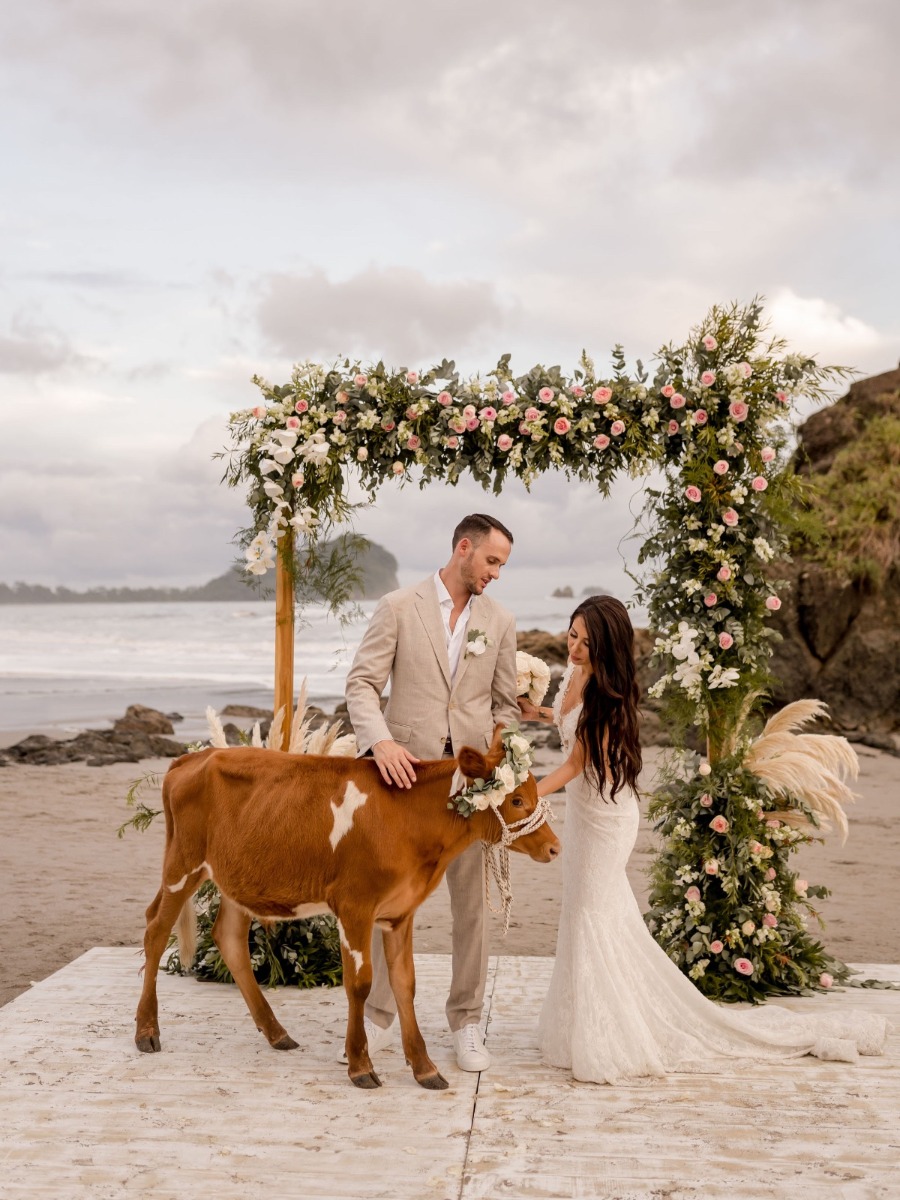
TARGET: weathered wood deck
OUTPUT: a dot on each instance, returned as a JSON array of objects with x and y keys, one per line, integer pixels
[{"x": 217, "y": 1113}]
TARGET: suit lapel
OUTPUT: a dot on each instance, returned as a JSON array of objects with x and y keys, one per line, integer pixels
[
  {"x": 430, "y": 615},
  {"x": 476, "y": 615}
]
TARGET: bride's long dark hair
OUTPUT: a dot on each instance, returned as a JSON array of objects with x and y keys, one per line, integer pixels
[{"x": 609, "y": 711}]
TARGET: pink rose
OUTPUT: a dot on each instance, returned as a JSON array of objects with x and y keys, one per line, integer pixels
[
  {"x": 720, "y": 467},
  {"x": 504, "y": 441},
  {"x": 743, "y": 966},
  {"x": 667, "y": 391},
  {"x": 292, "y": 423},
  {"x": 739, "y": 447},
  {"x": 411, "y": 414},
  {"x": 341, "y": 397},
  {"x": 361, "y": 381},
  {"x": 719, "y": 824},
  {"x": 412, "y": 442},
  {"x": 259, "y": 412},
  {"x": 710, "y": 599},
  {"x": 339, "y": 417},
  {"x": 692, "y": 895},
  {"x": 755, "y": 847},
  {"x": 708, "y": 378},
  {"x": 577, "y": 391},
  {"x": 677, "y": 401},
  {"x": 745, "y": 369},
  {"x": 508, "y": 398},
  {"x": 452, "y": 443},
  {"x": 726, "y": 641},
  {"x": 458, "y": 425},
  {"x": 767, "y": 454},
  {"x": 738, "y": 410},
  {"x": 444, "y": 398},
  {"x": 488, "y": 414},
  {"x": 561, "y": 426},
  {"x": 711, "y": 866},
  {"x": 468, "y": 411},
  {"x": 387, "y": 426},
  {"x": 397, "y": 468},
  {"x": 617, "y": 428},
  {"x": 412, "y": 378},
  {"x": 706, "y": 800},
  {"x": 602, "y": 395},
  {"x": 704, "y": 769},
  {"x": 601, "y": 441},
  {"x": 301, "y": 406},
  {"x": 700, "y": 416},
  {"x": 546, "y": 394},
  {"x": 693, "y": 493},
  {"x": 730, "y": 517},
  {"x": 674, "y": 427},
  {"x": 523, "y": 428},
  {"x": 362, "y": 453},
  {"x": 825, "y": 980},
  {"x": 781, "y": 397},
  {"x": 723, "y": 574},
  {"x": 532, "y": 414},
  {"x": 759, "y": 484},
  {"x": 773, "y": 604},
  {"x": 297, "y": 479},
  {"x": 770, "y": 874},
  {"x": 770, "y": 920},
  {"x": 800, "y": 887},
  {"x": 716, "y": 947},
  {"x": 772, "y": 823},
  {"x": 472, "y": 423},
  {"x": 709, "y": 342}
]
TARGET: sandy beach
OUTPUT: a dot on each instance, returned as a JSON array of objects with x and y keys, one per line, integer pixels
[{"x": 68, "y": 883}]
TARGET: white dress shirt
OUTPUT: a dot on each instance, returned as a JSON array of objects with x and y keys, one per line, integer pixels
[{"x": 455, "y": 637}]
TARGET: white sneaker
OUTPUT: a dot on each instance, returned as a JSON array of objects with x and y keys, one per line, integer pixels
[
  {"x": 376, "y": 1036},
  {"x": 470, "y": 1052}
]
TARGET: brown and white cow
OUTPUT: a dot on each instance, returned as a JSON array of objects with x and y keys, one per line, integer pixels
[{"x": 286, "y": 836}]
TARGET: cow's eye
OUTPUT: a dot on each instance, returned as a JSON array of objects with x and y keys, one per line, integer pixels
[{"x": 518, "y": 802}]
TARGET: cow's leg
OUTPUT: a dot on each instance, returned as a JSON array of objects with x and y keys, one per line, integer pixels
[
  {"x": 399, "y": 954},
  {"x": 230, "y": 935},
  {"x": 161, "y": 916},
  {"x": 356, "y": 957}
]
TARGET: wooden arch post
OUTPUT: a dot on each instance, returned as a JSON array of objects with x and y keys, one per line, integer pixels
[{"x": 284, "y": 633}]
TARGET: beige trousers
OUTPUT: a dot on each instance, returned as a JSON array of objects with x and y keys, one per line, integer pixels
[{"x": 465, "y": 880}]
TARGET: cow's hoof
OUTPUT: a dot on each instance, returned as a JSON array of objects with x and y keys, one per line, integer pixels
[
  {"x": 285, "y": 1042},
  {"x": 368, "y": 1081},
  {"x": 434, "y": 1083},
  {"x": 148, "y": 1045}
]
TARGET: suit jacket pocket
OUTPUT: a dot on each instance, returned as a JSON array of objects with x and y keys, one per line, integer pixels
[{"x": 400, "y": 733}]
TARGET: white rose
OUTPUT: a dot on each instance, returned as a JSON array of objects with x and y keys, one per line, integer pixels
[
  {"x": 519, "y": 745},
  {"x": 481, "y": 800},
  {"x": 506, "y": 776},
  {"x": 477, "y": 647}
]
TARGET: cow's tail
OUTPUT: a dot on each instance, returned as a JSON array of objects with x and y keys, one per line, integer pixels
[{"x": 186, "y": 933}]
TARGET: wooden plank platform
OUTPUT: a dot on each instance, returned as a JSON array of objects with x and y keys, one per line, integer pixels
[{"x": 83, "y": 1114}]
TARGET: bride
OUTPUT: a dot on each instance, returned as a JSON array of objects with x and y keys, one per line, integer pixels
[{"x": 618, "y": 1007}]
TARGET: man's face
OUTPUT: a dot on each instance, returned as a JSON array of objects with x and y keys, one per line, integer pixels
[{"x": 481, "y": 562}]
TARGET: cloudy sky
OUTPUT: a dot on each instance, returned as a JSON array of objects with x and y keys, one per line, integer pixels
[{"x": 195, "y": 192}]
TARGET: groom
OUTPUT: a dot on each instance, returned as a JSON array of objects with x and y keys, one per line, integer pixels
[{"x": 448, "y": 690}]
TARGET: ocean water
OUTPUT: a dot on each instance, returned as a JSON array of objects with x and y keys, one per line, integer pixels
[{"x": 67, "y": 667}]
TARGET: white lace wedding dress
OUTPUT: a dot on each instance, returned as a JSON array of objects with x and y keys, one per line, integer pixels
[{"x": 618, "y": 1007}]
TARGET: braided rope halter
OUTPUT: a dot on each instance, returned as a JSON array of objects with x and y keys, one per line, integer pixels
[{"x": 496, "y": 854}]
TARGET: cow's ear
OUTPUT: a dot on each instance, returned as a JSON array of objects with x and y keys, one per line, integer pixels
[{"x": 473, "y": 764}]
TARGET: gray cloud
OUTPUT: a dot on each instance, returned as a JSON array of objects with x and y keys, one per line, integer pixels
[
  {"x": 393, "y": 311},
  {"x": 30, "y": 350}
]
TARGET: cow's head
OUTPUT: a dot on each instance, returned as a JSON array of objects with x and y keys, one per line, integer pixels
[{"x": 541, "y": 843}]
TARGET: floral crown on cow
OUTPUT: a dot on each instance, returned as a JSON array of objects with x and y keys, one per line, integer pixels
[{"x": 505, "y": 778}]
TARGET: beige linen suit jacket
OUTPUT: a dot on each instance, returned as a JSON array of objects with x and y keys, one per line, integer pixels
[{"x": 405, "y": 642}]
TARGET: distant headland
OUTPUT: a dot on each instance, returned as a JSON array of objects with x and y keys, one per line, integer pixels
[{"x": 377, "y": 566}]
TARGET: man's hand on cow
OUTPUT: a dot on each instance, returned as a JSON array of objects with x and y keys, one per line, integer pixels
[{"x": 394, "y": 763}]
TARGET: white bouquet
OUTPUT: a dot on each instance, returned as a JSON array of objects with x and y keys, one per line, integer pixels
[{"x": 532, "y": 677}]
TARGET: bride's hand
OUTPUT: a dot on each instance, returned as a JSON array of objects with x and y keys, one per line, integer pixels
[{"x": 529, "y": 711}]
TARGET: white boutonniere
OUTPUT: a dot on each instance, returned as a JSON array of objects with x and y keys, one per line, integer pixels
[{"x": 477, "y": 642}]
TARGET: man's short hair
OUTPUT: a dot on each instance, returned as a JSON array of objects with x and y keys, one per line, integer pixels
[{"x": 476, "y": 527}]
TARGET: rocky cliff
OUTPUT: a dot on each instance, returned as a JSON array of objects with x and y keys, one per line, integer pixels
[{"x": 841, "y": 619}]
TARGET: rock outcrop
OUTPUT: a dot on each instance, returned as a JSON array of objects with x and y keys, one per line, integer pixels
[{"x": 841, "y": 636}]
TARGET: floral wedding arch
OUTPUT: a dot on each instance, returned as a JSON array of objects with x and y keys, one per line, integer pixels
[{"x": 715, "y": 419}]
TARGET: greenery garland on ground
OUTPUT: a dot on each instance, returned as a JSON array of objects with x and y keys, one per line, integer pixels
[{"x": 715, "y": 417}]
